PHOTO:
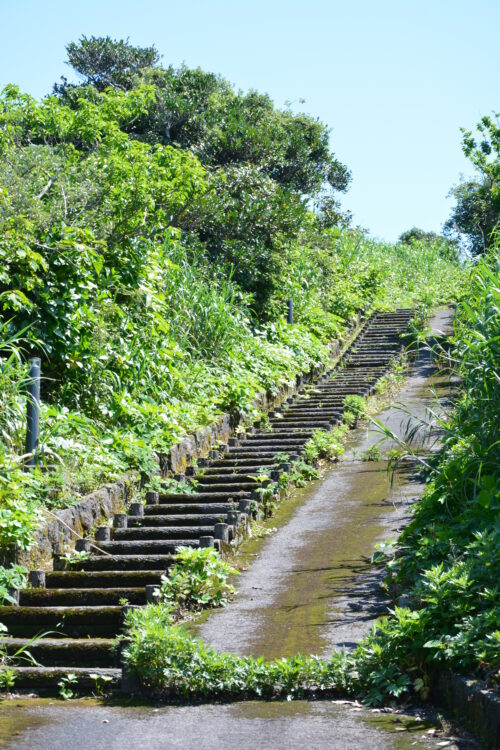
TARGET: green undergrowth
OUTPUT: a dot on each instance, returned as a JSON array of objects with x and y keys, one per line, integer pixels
[{"x": 447, "y": 559}]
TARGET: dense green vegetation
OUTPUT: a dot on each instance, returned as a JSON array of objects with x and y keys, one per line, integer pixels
[
  {"x": 448, "y": 557},
  {"x": 153, "y": 223}
]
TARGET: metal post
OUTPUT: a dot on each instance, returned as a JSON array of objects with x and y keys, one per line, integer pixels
[
  {"x": 33, "y": 412},
  {"x": 290, "y": 312}
]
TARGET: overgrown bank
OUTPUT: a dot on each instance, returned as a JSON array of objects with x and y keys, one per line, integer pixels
[{"x": 149, "y": 266}]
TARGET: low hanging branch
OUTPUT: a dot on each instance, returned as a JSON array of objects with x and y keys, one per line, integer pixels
[{"x": 46, "y": 188}]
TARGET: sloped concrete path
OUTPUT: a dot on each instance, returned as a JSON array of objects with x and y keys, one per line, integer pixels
[
  {"x": 300, "y": 725},
  {"x": 308, "y": 588}
]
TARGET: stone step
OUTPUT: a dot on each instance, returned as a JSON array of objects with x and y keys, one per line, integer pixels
[
  {"x": 164, "y": 533},
  {"x": 317, "y": 424},
  {"x": 335, "y": 390},
  {"x": 213, "y": 479},
  {"x": 177, "y": 522},
  {"x": 284, "y": 429},
  {"x": 288, "y": 436},
  {"x": 226, "y": 487},
  {"x": 68, "y": 652},
  {"x": 242, "y": 462},
  {"x": 250, "y": 470},
  {"x": 102, "y": 579},
  {"x": 80, "y": 597},
  {"x": 130, "y": 563},
  {"x": 104, "y": 622},
  {"x": 204, "y": 497},
  {"x": 147, "y": 547},
  {"x": 183, "y": 509},
  {"x": 47, "y": 678},
  {"x": 311, "y": 411},
  {"x": 382, "y": 348},
  {"x": 278, "y": 446}
]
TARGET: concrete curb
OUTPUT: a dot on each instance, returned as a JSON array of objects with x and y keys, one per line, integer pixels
[{"x": 469, "y": 700}]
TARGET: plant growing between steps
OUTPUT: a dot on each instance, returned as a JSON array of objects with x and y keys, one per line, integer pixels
[
  {"x": 325, "y": 444},
  {"x": 198, "y": 579},
  {"x": 11, "y": 578},
  {"x": 67, "y": 686},
  {"x": 355, "y": 405},
  {"x": 9, "y": 660}
]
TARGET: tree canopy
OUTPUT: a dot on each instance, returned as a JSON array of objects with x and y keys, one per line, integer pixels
[{"x": 476, "y": 214}]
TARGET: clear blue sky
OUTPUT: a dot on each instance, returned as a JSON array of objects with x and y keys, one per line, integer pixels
[{"x": 394, "y": 79}]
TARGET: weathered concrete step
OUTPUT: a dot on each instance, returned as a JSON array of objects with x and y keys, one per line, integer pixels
[
  {"x": 361, "y": 361},
  {"x": 147, "y": 547},
  {"x": 47, "y": 678},
  {"x": 338, "y": 395},
  {"x": 104, "y": 622},
  {"x": 330, "y": 399},
  {"x": 380, "y": 337},
  {"x": 357, "y": 378},
  {"x": 317, "y": 424},
  {"x": 181, "y": 521},
  {"x": 244, "y": 461},
  {"x": 80, "y": 597},
  {"x": 279, "y": 429},
  {"x": 68, "y": 652},
  {"x": 247, "y": 470},
  {"x": 382, "y": 347},
  {"x": 229, "y": 487},
  {"x": 311, "y": 410},
  {"x": 196, "y": 497},
  {"x": 164, "y": 532},
  {"x": 130, "y": 563},
  {"x": 258, "y": 455},
  {"x": 332, "y": 392},
  {"x": 212, "y": 478},
  {"x": 182, "y": 509},
  {"x": 102, "y": 579},
  {"x": 278, "y": 446},
  {"x": 270, "y": 437}
]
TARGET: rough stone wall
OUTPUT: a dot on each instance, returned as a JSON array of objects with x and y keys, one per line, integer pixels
[{"x": 63, "y": 527}]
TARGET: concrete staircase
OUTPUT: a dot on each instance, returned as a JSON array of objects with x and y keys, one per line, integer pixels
[{"x": 81, "y": 606}]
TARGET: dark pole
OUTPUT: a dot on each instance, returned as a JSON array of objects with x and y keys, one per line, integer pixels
[
  {"x": 290, "y": 312},
  {"x": 33, "y": 411}
]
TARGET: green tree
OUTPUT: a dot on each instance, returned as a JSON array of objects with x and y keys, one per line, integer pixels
[
  {"x": 476, "y": 214},
  {"x": 420, "y": 235},
  {"x": 102, "y": 62}
]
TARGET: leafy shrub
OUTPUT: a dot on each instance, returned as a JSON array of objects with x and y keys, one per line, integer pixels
[
  {"x": 199, "y": 578},
  {"x": 356, "y": 405},
  {"x": 323, "y": 444},
  {"x": 170, "y": 661}
]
